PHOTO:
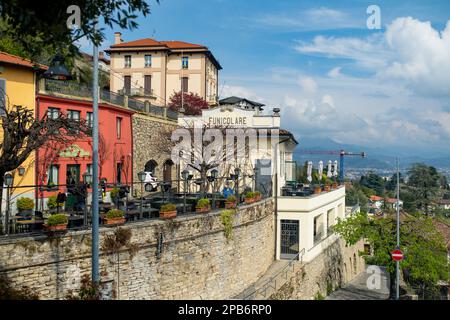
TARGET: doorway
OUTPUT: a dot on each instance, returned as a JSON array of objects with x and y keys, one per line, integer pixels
[{"x": 289, "y": 244}]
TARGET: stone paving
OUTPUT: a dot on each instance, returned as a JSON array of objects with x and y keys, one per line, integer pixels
[{"x": 357, "y": 289}]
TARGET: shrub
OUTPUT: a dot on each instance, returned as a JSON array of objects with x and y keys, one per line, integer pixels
[
  {"x": 319, "y": 296},
  {"x": 52, "y": 204},
  {"x": 114, "y": 193},
  {"x": 25, "y": 204},
  {"x": 227, "y": 220},
  {"x": 203, "y": 203},
  {"x": 231, "y": 198},
  {"x": 168, "y": 207},
  {"x": 249, "y": 195},
  {"x": 57, "y": 219},
  {"x": 114, "y": 213},
  {"x": 256, "y": 193}
]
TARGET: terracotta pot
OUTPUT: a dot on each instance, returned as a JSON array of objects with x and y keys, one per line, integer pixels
[
  {"x": 203, "y": 209},
  {"x": 114, "y": 221},
  {"x": 249, "y": 200},
  {"x": 335, "y": 185},
  {"x": 258, "y": 198},
  {"x": 58, "y": 227},
  {"x": 327, "y": 188},
  {"x": 168, "y": 214},
  {"x": 230, "y": 205},
  {"x": 317, "y": 190}
]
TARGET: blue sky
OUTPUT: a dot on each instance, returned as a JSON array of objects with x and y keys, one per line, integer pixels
[{"x": 317, "y": 60}]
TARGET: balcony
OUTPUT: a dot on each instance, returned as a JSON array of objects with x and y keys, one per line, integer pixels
[{"x": 137, "y": 92}]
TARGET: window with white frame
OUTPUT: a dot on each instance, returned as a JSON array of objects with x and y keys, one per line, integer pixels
[
  {"x": 53, "y": 175},
  {"x": 148, "y": 60}
]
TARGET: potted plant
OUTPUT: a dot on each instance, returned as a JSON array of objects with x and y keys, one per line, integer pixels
[
  {"x": 25, "y": 206},
  {"x": 230, "y": 202},
  {"x": 168, "y": 211},
  {"x": 114, "y": 217},
  {"x": 203, "y": 206},
  {"x": 317, "y": 189},
  {"x": 327, "y": 185},
  {"x": 257, "y": 195},
  {"x": 56, "y": 222},
  {"x": 114, "y": 194},
  {"x": 52, "y": 204},
  {"x": 249, "y": 197}
]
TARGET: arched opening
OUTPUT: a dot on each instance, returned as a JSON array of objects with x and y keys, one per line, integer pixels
[
  {"x": 150, "y": 166},
  {"x": 167, "y": 170}
]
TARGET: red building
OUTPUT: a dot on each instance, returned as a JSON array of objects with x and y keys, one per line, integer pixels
[{"x": 57, "y": 164}]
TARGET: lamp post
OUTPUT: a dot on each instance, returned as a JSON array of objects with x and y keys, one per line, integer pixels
[
  {"x": 87, "y": 179},
  {"x": 237, "y": 172},
  {"x": 255, "y": 171},
  {"x": 185, "y": 176},
  {"x": 8, "y": 182},
  {"x": 213, "y": 178},
  {"x": 141, "y": 176}
]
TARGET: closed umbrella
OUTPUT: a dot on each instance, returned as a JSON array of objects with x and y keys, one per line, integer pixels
[
  {"x": 335, "y": 168},
  {"x": 309, "y": 171},
  {"x": 329, "y": 173},
  {"x": 320, "y": 169}
]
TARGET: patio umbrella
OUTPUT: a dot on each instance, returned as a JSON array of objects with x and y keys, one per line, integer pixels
[
  {"x": 329, "y": 173},
  {"x": 309, "y": 171},
  {"x": 335, "y": 168},
  {"x": 320, "y": 169}
]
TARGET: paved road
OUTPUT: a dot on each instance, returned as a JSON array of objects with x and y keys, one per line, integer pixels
[{"x": 358, "y": 289}]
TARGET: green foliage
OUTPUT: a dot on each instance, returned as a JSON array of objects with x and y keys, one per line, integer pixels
[
  {"x": 114, "y": 193},
  {"x": 226, "y": 216},
  {"x": 168, "y": 207},
  {"x": 231, "y": 198},
  {"x": 203, "y": 203},
  {"x": 256, "y": 193},
  {"x": 423, "y": 183},
  {"x": 57, "y": 219},
  {"x": 319, "y": 296},
  {"x": 355, "y": 195},
  {"x": 329, "y": 288},
  {"x": 25, "y": 204},
  {"x": 88, "y": 290},
  {"x": 8, "y": 292},
  {"x": 52, "y": 204},
  {"x": 374, "y": 182},
  {"x": 249, "y": 195},
  {"x": 114, "y": 213}
]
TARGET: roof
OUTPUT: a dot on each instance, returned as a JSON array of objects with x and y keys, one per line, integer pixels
[
  {"x": 392, "y": 200},
  {"x": 376, "y": 198},
  {"x": 88, "y": 57},
  {"x": 287, "y": 133},
  {"x": 19, "y": 61},
  {"x": 163, "y": 45},
  {"x": 238, "y": 100}
]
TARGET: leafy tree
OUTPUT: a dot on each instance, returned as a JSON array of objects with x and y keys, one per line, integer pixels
[
  {"x": 46, "y": 22},
  {"x": 424, "y": 184},
  {"x": 425, "y": 260},
  {"x": 193, "y": 104},
  {"x": 374, "y": 182},
  {"x": 391, "y": 185},
  {"x": 354, "y": 196}
]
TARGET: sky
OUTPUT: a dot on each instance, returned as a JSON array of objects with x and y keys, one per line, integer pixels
[{"x": 332, "y": 76}]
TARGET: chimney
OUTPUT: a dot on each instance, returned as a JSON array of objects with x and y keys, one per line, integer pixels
[{"x": 117, "y": 38}]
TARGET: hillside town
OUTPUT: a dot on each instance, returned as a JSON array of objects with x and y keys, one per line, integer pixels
[{"x": 127, "y": 175}]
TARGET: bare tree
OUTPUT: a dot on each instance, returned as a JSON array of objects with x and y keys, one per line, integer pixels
[{"x": 24, "y": 134}]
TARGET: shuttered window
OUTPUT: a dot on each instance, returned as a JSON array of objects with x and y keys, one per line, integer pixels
[
  {"x": 147, "y": 84},
  {"x": 2, "y": 97}
]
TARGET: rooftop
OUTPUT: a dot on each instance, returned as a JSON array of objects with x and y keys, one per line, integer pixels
[{"x": 19, "y": 61}]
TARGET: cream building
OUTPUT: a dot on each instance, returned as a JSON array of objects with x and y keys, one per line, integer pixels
[{"x": 153, "y": 71}]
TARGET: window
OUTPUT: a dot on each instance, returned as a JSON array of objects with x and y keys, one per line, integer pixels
[
  {"x": 148, "y": 60},
  {"x": 2, "y": 97},
  {"x": 89, "y": 168},
  {"x": 184, "y": 84},
  {"x": 147, "y": 85},
  {"x": 119, "y": 127},
  {"x": 53, "y": 175},
  {"x": 127, "y": 61},
  {"x": 119, "y": 173},
  {"x": 127, "y": 84},
  {"x": 185, "y": 62},
  {"x": 74, "y": 115},
  {"x": 90, "y": 119},
  {"x": 52, "y": 113}
]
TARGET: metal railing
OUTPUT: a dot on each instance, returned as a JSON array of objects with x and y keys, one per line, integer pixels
[
  {"x": 138, "y": 92},
  {"x": 74, "y": 89},
  {"x": 271, "y": 283}
]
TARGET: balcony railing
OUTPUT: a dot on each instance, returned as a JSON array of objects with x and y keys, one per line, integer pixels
[
  {"x": 137, "y": 92},
  {"x": 74, "y": 89}
]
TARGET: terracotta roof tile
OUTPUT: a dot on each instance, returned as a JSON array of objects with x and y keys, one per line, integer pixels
[
  {"x": 376, "y": 198},
  {"x": 19, "y": 61},
  {"x": 146, "y": 42},
  {"x": 182, "y": 45}
]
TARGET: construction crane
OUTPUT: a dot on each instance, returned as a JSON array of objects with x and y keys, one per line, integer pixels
[{"x": 341, "y": 153}]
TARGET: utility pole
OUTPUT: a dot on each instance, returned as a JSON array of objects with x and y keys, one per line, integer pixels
[
  {"x": 95, "y": 129},
  {"x": 397, "y": 280}
]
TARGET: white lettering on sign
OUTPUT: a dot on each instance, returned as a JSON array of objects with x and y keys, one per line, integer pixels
[{"x": 228, "y": 121}]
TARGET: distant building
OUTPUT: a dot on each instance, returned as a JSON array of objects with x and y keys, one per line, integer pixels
[
  {"x": 376, "y": 202},
  {"x": 242, "y": 103},
  {"x": 444, "y": 204},
  {"x": 153, "y": 70},
  {"x": 392, "y": 203}
]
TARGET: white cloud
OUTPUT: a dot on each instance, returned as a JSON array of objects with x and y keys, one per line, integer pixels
[
  {"x": 308, "y": 85},
  {"x": 335, "y": 72}
]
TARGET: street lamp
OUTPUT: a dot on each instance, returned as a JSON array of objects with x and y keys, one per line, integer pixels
[
  {"x": 237, "y": 172},
  {"x": 185, "y": 176},
  {"x": 87, "y": 178},
  {"x": 141, "y": 176},
  {"x": 21, "y": 171},
  {"x": 8, "y": 182},
  {"x": 213, "y": 178}
]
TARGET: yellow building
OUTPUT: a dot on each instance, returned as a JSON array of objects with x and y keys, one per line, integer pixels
[
  {"x": 18, "y": 87},
  {"x": 153, "y": 70}
]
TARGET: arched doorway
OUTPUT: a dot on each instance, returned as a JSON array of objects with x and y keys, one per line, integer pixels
[
  {"x": 150, "y": 166},
  {"x": 167, "y": 170}
]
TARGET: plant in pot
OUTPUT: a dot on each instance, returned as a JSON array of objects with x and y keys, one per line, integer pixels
[
  {"x": 257, "y": 195},
  {"x": 53, "y": 204},
  {"x": 56, "y": 222},
  {"x": 114, "y": 194},
  {"x": 328, "y": 183},
  {"x": 203, "y": 206},
  {"x": 168, "y": 211},
  {"x": 335, "y": 183},
  {"x": 249, "y": 197},
  {"x": 230, "y": 202},
  {"x": 114, "y": 217},
  {"x": 25, "y": 206}
]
